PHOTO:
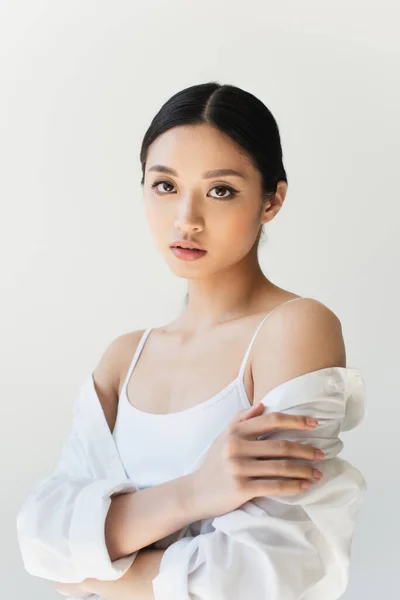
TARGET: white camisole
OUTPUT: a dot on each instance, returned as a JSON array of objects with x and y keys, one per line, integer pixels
[{"x": 154, "y": 447}]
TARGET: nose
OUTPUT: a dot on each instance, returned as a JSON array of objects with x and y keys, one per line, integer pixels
[{"x": 188, "y": 217}]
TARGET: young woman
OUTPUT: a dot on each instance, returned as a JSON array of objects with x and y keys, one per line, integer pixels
[{"x": 211, "y": 423}]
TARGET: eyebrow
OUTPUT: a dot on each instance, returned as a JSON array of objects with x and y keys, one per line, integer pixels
[{"x": 206, "y": 174}]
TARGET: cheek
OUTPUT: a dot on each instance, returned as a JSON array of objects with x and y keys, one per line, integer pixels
[
  {"x": 156, "y": 217},
  {"x": 238, "y": 230}
]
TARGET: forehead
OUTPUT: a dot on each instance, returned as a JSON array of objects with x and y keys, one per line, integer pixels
[{"x": 196, "y": 148}]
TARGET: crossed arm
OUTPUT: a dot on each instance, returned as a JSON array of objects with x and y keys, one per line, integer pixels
[
  {"x": 135, "y": 583},
  {"x": 139, "y": 577}
]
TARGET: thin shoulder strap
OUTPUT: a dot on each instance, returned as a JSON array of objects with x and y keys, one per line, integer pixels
[
  {"x": 246, "y": 356},
  {"x": 137, "y": 353}
]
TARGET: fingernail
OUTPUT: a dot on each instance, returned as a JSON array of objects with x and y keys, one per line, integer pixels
[{"x": 310, "y": 421}]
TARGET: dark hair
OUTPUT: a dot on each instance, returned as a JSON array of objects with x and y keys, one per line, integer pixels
[{"x": 235, "y": 112}]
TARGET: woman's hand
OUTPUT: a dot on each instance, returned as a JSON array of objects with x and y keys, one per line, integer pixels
[{"x": 234, "y": 471}]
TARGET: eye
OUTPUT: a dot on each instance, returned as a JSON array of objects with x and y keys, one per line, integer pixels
[
  {"x": 157, "y": 183},
  {"x": 232, "y": 192}
]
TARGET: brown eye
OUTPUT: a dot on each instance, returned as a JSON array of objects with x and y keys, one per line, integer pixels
[
  {"x": 231, "y": 191},
  {"x": 157, "y": 183}
]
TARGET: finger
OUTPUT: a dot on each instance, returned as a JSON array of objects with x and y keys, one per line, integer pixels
[
  {"x": 243, "y": 415},
  {"x": 277, "y": 448},
  {"x": 276, "y": 468},
  {"x": 276, "y": 487},
  {"x": 270, "y": 422}
]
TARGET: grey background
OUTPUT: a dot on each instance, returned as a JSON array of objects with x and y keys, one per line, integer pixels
[{"x": 80, "y": 82}]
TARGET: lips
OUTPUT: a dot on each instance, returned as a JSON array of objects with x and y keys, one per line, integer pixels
[
  {"x": 187, "y": 245},
  {"x": 187, "y": 253}
]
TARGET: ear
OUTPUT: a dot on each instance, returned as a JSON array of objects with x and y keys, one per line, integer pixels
[
  {"x": 273, "y": 205},
  {"x": 281, "y": 190}
]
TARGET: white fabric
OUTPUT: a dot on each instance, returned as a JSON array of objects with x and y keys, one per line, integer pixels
[
  {"x": 285, "y": 547},
  {"x": 60, "y": 526},
  {"x": 280, "y": 548}
]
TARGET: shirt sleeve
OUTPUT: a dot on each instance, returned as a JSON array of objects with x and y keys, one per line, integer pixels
[
  {"x": 294, "y": 546},
  {"x": 61, "y": 524}
]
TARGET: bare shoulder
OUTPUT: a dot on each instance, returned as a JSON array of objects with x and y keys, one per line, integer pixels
[
  {"x": 297, "y": 338},
  {"x": 110, "y": 369}
]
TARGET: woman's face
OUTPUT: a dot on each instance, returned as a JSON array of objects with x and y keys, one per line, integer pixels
[{"x": 222, "y": 212}]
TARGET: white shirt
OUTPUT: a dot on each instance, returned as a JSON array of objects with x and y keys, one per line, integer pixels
[{"x": 271, "y": 548}]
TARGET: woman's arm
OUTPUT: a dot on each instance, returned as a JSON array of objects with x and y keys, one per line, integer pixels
[
  {"x": 137, "y": 520},
  {"x": 298, "y": 338}
]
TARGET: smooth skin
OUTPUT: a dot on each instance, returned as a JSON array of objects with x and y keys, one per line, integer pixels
[{"x": 227, "y": 288}]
